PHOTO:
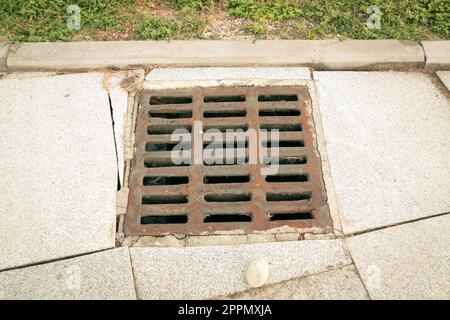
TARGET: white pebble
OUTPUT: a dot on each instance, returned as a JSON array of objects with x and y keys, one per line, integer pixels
[{"x": 257, "y": 273}]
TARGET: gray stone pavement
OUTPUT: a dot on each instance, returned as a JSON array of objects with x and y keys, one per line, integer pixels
[
  {"x": 208, "y": 271},
  {"x": 387, "y": 142},
  {"x": 59, "y": 168},
  {"x": 410, "y": 261},
  {"x": 103, "y": 275}
]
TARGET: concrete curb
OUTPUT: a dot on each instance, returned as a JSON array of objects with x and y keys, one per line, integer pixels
[
  {"x": 4, "y": 47},
  {"x": 320, "y": 54},
  {"x": 437, "y": 55}
]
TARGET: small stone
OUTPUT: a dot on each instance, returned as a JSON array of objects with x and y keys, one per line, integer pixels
[{"x": 257, "y": 273}]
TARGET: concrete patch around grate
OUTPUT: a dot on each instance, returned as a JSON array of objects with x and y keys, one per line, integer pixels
[
  {"x": 410, "y": 261},
  {"x": 59, "y": 168},
  {"x": 172, "y": 78},
  {"x": 444, "y": 76},
  {"x": 324, "y": 160},
  {"x": 206, "y": 272},
  {"x": 388, "y": 146},
  {"x": 339, "y": 284},
  {"x": 102, "y": 275},
  {"x": 437, "y": 55},
  {"x": 223, "y": 74}
]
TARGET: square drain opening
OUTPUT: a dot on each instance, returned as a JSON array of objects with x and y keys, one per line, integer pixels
[{"x": 202, "y": 158}]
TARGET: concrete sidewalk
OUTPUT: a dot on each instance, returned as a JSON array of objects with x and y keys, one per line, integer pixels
[{"x": 384, "y": 142}]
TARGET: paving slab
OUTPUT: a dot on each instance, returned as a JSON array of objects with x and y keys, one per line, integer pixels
[
  {"x": 168, "y": 78},
  {"x": 4, "y": 47},
  {"x": 320, "y": 54},
  {"x": 340, "y": 284},
  {"x": 103, "y": 275},
  {"x": 388, "y": 142},
  {"x": 206, "y": 272},
  {"x": 409, "y": 261},
  {"x": 59, "y": 168},
  {"x": 437, "y": 54},
  {"x": 444, "y": 76}
]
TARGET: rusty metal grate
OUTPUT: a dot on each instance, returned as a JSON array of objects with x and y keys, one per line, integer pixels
[{"x": 195, "y": 199}]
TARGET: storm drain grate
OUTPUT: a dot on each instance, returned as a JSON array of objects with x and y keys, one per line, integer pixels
[{"x": 205, "y": 197}]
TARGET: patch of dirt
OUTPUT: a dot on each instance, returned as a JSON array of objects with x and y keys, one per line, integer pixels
[{"x": 223, "y": 27}]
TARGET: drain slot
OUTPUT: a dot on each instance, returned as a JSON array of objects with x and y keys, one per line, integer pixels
[
  {"x": 282, "y": 127},
  {"x": 167, "y": 129},
  {"x": 164, "y": 199},
  {"x": 287, "y": 160},
  {"x": 162, "y": 163},
  {"x": 288, "y": 178},
  {"x": 277, "y": 97},
  {"x": 228, "y": 197},
  {"x": 159, "y": 181},
  {"x": 306, "y": 215},
  {"x": 231, "y": 98},
  {"x": 159, "y": 100},
  {"x": 226, "y": 179},
  {"x": 164, "y": 219},
  {"x": 235, "y": 217},
  {"x": 225, "y": 144},
  {"x": 288, "y": 196},
  {"x": 171, "y": 115},
  {"x": 165, "y": 146},
  {"x": 285, "y": 144},
  {"x": 279, "y": 113},
  {"x": 225, "y": 114}
]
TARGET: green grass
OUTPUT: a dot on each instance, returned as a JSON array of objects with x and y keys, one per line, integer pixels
[
  {"x": 42, "y": 20},
  {"x": 403, "y": 19},
  {"x": 45, "y": 20}
]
